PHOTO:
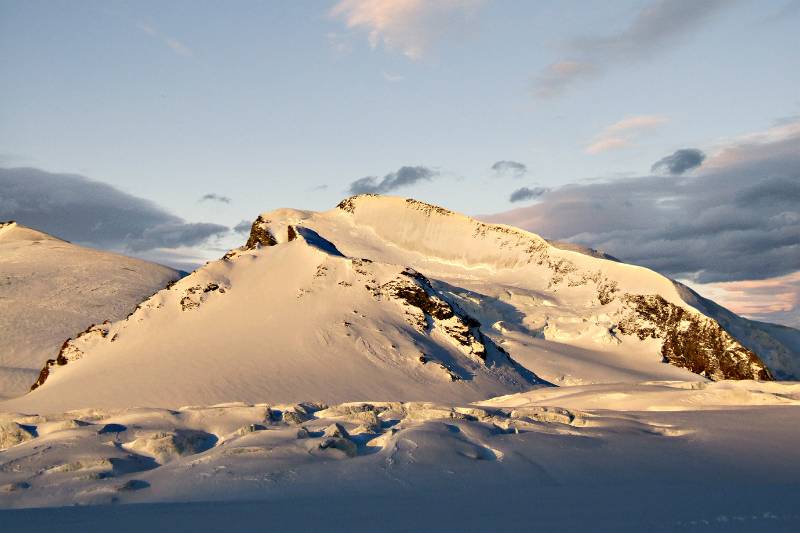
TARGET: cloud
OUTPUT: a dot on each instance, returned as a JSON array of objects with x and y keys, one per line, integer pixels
[
  {"x": 622, "y": 134},
  {"x": 525, "y": 193},
  {"x": 558, "y": 77},
  {"x": 509, "y": 168},
  {"x": 394, "y": 180},
  {"x": 75, "y": 208},
  {"x": 172, "y": 43},
  {"x": 776, "y": 299},
  {"x": 737, "y": 219},
  {"x": 410, "y": 26},
  {"x": 243, "y": 226},
  {"x": 215, "y": 198},
  {"x": 178, "y": 47},
  {"x": 679, "y": 162},
  {"x": 392, "y": 78},
  {"x": 607, "y": 144},
  {"x": 657, "y": 27}
]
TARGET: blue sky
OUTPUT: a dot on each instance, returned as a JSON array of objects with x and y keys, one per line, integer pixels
[{"x": 273, "y": 104}]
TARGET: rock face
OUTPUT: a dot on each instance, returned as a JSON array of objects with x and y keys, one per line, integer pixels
[
  {"x": 71, "y": 351},
  {"x": 428, "y": 310},
  {"x": 260, "y": 235},
  {"x": 691, "y": 341}
]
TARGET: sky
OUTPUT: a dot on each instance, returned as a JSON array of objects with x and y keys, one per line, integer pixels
[{"x": 666, "y": 132}]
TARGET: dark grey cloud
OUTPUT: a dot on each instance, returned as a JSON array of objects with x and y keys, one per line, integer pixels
[
  {"x": 526, "y": 193},
  {"x": 658, "y": 26},
  {"x": 513, "y": 169},
  {"x": 679, "y": 162},
  {"x": 738, "y": 219},
  {"x": 77, "y": 209},
  {"x": 213, "y": 197},
  {"x": 243, "y": 226},
  {"x": 403, "y": 177}
]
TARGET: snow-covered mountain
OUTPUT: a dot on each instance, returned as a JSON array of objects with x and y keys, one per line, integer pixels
[
  {"x": 391, "y": 299},
  {"x": 51, "y": 290},
  {"x": 778, "y": 346}
]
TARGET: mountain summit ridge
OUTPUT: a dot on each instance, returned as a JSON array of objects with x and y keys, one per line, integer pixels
[{"x": 391, "y": 298}]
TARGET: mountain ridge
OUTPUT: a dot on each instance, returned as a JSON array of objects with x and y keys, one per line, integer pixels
[{"x": 420, "y": 292}]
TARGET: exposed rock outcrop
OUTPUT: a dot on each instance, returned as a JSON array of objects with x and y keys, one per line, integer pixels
[
  {"x": 260, "y": 235},
  {"x": 691, "y": 340},
  {"x": 426, "y": 310},
  {"x": 70, "y": 352}
]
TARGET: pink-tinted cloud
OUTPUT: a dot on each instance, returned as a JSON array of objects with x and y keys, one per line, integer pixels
[
  {"x": 774, "y": 299},
  {"x": 624, "y": 133},
  {"x": 409, "y": 26}
]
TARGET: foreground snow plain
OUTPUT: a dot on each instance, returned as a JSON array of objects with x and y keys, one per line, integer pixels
[{"x": 666, "y": 456}]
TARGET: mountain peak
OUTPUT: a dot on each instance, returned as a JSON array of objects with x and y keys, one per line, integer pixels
[
  {"x": 13, "y": 231},
  {"x": 392, "y": 298}
]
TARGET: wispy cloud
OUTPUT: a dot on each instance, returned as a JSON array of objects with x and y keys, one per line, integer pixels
[
  {"x": 513, "y": 169},
  {"x": 403, "y": 177},
  {"x": 526, "y": 193},
  {"x": 339, "y": 43},
  {"x": 680, "y": 161},
  {"x": 243, "y": 226},
  {"x": 773, "y": 299},
  {"x": 409, "y": 26},
  {"x": 392, "y": 78},
  {"x": 557, "y": 77},
  {"x": 178, "y": 47},
  {"x": 654, "y": 29},
  {"x": 623, "y": 134},
  {"x": 215, "y": 198}
]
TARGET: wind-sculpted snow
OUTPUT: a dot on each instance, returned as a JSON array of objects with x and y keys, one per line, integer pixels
[{"x": 256, "y": 451}]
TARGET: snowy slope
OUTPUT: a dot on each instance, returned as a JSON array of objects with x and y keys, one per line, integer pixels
[
  {"x": 390, "y": 299},
  {"x": 285, "y": 323},
  {"x": 51, "y": 290},
  {"x": 679, "y": 456},
  {"x": 778, "y": 346}
]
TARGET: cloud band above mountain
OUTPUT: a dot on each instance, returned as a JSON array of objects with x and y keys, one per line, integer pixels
[
  {"x": 404, "y": 176},
  {"x": 739, "y": 219},
  {"x": 81, "y": 210}
]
